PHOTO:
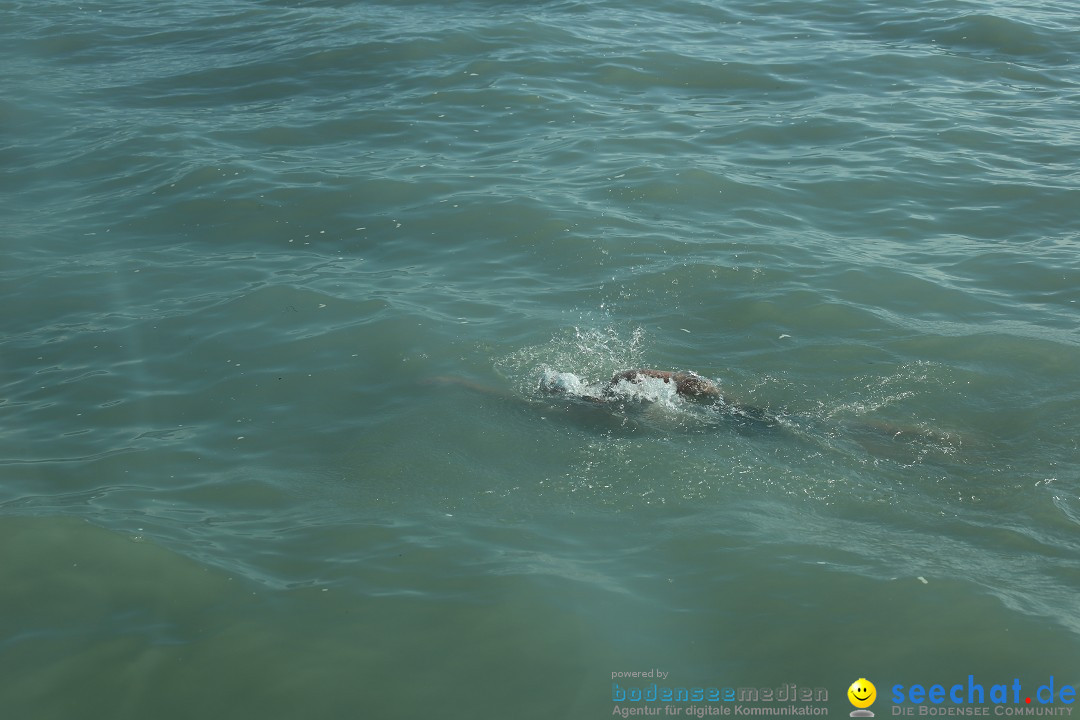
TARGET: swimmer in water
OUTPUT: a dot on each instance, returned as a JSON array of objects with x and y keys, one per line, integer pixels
[{"x": 874, "y": 436}]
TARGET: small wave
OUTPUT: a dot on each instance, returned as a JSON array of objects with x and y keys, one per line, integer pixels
[{"x": 997, "y": 35}]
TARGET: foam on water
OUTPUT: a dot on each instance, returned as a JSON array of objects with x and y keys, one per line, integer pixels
[
  {"x": 592, "y": 354},
  {"x": 566, "y": 383}
]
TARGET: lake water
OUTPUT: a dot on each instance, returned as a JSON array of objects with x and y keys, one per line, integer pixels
[{"x": 281, "y": 280}]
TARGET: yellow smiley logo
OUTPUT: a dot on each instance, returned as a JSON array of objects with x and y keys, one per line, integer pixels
[{"x": 862, "y": 693}]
